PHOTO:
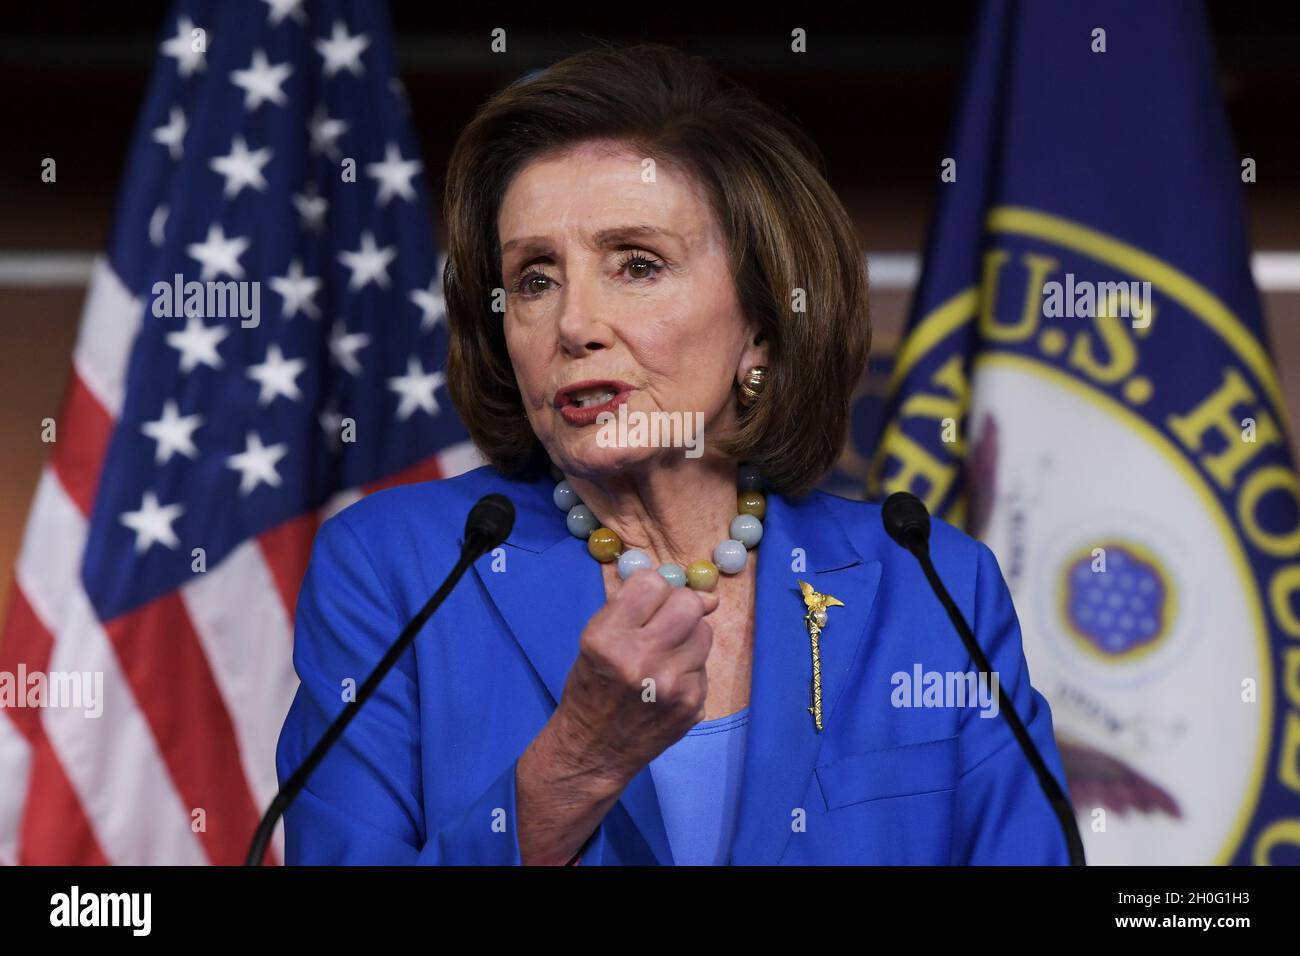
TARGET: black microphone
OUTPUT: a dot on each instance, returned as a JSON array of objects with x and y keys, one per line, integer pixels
[
  {"x": 488, "y": 524},
  {"x": 907, "y": 522}
]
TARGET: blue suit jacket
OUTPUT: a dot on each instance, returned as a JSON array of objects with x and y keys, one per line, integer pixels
[{"x": 425, "y": 773}]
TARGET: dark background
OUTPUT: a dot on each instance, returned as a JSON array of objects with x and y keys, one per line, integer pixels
[{"x": 876, "y": 90}]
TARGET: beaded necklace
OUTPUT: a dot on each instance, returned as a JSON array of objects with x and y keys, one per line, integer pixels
[{"x": 729, "y": 556}]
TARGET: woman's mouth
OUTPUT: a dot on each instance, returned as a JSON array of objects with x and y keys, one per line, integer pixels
[
  {"x": 582, "y": 402},
  {"x": 596, "y": 397}
]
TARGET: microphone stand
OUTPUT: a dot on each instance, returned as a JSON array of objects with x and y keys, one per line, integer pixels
[
  {"x": 908, "y": 523},
  {"x": 479, "y": 540}
]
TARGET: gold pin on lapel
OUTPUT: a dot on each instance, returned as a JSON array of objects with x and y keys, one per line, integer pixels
[{"x": 815, "y": 619}]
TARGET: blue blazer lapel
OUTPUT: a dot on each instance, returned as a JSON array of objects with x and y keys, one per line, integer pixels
[
  {"x": 548, "y": 591},
  {"x": 783, "y": 743}
]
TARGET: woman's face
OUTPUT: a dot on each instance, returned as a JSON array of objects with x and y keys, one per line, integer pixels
[{"x": 623, "y": 285}]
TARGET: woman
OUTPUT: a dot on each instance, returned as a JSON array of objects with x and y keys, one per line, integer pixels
[{"x": 631, "y": 678}]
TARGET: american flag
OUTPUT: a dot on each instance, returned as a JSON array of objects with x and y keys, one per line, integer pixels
[{"x": 196, "y": 454}]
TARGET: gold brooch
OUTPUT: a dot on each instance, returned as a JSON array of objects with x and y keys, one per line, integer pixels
[{"x": 815, "y": 619}]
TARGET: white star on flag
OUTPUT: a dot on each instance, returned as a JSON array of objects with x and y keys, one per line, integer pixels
[
  {"x": 219, "y": 255},
  {"x": 311, "y": 208},
  {"x": 152, "y": 524},
  {"x": 416, "y": 389},
  {"x": 181, "y": 47},
  {"x": 369, "y": 263},
  {"x": 256, "y": 463},
  {"x": 398, "y": 90},
  {"x": 277, "y": 376},
  {"x": 241, "y": 168},
  {"x": 431, "y": 304},
  {"x": 297, "y": 290},
  {"x": 157, "y": 224},
  {"x": 261, "y": 81},
  {"x": 332, "y": 421},
  {"x": 324, "y": 133},
  {"x": 173, "y": 432},
  {"x": 172, "y": 134},
  {"x": 284, "y": 8},
  {"x": 343, "y": 52},
  {"x": 197, "y": 344},
  {"x": 394, "y": 175},
  {"x": 344, "y": 347}
]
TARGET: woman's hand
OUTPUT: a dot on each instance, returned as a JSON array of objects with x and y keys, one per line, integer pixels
[
  {"x": 639, "y": 682},
  {"x": 638, "y": 685}
]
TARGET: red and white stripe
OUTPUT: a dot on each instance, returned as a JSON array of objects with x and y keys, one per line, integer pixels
[{"x": 180, "y": 765}]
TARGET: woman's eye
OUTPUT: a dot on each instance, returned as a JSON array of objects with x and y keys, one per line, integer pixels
[
  {"x": 527, "y": 283},
  {"x": 640, "y": 266},
  {"x": 637, "y": 266}
]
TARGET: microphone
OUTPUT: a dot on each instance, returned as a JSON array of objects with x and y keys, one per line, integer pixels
[
  {"x": 907, "y": 521},
  {"x": 488, "y": 524}
]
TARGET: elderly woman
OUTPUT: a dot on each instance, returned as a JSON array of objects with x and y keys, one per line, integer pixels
[{"x": 632, "y": 678}]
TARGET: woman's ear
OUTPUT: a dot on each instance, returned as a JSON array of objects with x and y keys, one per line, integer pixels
[{"x": 755, "y": 353}]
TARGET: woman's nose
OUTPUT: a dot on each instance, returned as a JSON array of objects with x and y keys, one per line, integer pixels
[{"x": 582, "y": 324}]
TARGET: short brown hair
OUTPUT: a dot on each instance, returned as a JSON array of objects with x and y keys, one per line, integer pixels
[{"x": 764, "y": 177}]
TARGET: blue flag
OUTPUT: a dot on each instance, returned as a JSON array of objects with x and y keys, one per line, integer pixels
[{"x": 1085, "y": 383}]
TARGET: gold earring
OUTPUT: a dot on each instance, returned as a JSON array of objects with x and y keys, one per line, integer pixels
[{"x": 751, "y": 386}]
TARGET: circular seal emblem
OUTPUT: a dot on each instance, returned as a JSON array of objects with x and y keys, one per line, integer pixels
[{"x": 1116, "y": 600}]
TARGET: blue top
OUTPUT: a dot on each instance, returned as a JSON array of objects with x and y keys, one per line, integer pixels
[
  {"x": 425, "y": 773},
  {"x": 698, "y": 783}
]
